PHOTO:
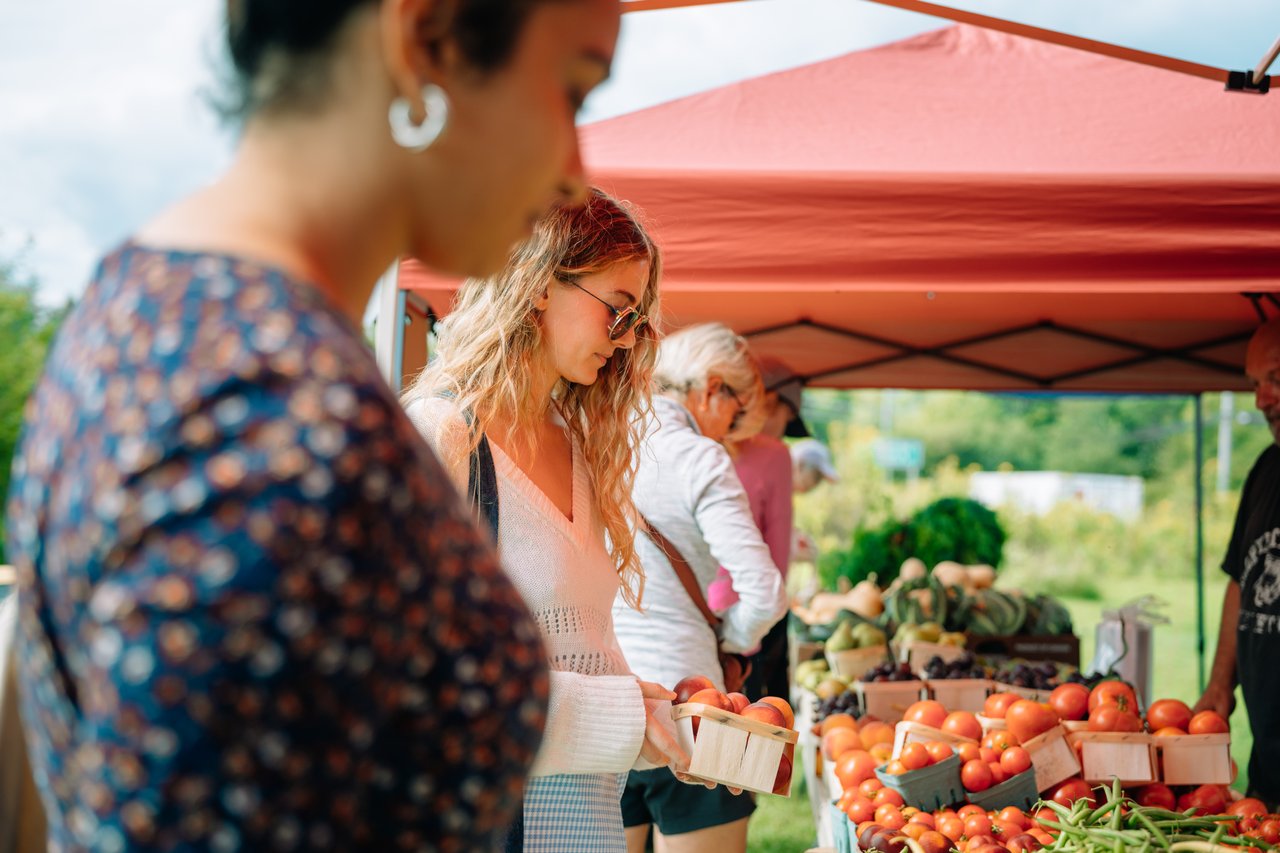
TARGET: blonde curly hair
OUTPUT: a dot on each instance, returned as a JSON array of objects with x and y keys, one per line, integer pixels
[{"x": 491, "y": 341}]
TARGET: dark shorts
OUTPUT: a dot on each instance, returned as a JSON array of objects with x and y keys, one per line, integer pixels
[{"x": 657, "y": 797}]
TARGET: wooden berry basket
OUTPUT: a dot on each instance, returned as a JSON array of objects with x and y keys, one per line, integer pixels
[
  {"x": 1194, "y": 759},
  {"x": 1052, "y": 757},
  {"x": 854, "y": 663},
  {"x": 961, "y": 694},
  {"x": 731, "y": 749},
  {"x": 888, "y": 700},
  {"x": 918, "y": 654},
  {"x": 1104, "y": 756},
  {"x": 1024, "y": 692},
  {"x": 928, "y": 788},
  {"x": 991, "y": 724},
  {"x": 906, "y": 732}
]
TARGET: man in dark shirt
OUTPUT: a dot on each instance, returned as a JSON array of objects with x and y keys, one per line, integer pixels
[{"x": 1249, "y": 639}]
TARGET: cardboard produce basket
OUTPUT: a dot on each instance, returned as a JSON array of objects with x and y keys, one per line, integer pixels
[
  {"x": 888, "y": 700},
  {"x": 906, "y": 732},
  {"x": 854, "y": 663},
  {"x": 917, "y": 654},
  {"x": 961, "y": 694},
  {"x": 991, "y": 723},
  {"x": 1104, "y": 756},
  {"x": 1194, "y": 759},
  {"x": 733, "y": 750},
  {"x": 929, "y": 787},
  {"x": 1017, "y": 791},
  {"x": 1052, "y": 758}
]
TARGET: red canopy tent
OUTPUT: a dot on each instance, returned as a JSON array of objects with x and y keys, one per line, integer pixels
[{"x": 962, "y": 209}]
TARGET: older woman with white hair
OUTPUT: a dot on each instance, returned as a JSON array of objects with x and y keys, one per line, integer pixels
[{"x": 686, "y": 490}]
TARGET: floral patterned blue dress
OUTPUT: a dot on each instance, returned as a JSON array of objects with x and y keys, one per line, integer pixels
[{"x": 253, "y": 612}]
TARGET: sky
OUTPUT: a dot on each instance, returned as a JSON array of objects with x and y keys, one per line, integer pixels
[{"x": 106, "y": 116}]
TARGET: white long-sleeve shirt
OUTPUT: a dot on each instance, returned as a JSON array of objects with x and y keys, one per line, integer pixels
[
  {"x": 687, "y": 488},
  {"x": 596, "y": 716}
]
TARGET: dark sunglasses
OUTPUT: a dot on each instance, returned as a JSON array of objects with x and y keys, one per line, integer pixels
[
  {"x": 737, "y": 416},
  {"x": 624, "y": 319}
]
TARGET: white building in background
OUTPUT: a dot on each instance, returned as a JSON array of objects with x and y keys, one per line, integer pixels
[{"x": 1041, "y": 491}]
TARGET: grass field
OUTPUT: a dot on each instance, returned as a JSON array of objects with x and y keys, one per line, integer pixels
[{"x": 786, "y": 825}]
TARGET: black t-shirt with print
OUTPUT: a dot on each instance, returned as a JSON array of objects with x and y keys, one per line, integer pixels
[{"x": 1253, "y": 560}]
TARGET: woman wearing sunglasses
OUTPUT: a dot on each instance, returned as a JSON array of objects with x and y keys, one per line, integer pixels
[
  {"x": 707, "y": 387},
  {"x": 551, "y": 363}
]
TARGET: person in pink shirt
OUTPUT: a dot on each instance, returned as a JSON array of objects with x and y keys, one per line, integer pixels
[{"x": 764, "y": 466}]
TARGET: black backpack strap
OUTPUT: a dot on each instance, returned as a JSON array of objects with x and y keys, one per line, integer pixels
[
  {"x": 482, "y": 477},
  {"x": 482, "y": 485}
]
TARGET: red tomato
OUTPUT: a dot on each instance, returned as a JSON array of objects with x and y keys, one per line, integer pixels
[
  {"x": 1014, "y": 815},
  {"x": 1067, "y": 792},
  {"x": 968, "y": 752},
  {"x": 1168, "y": 713},
  {"x": 1070, "y": 701},
  {"x": 1015, "y": 760},
  {"x": 1248, "y": 807},
  {"x": 988, "y": 754},
  {"x": 970, "y": 809},
  {"x": 962, "y": 724},
  {"x": 1113, "y": 691},
  {"x": 951, "y": 827},
  {"x": 978, "y": 824},
  {"x": 869, "y": 787},
  {"x": 860, "y": 809},
  {"x": 887, "y": 796},
  {"x": 975, "y": 776},
  {"x": 890, "y": 817},
  {"x": 997, "y": 704},
  {"x": 1157, "y": 795},
  {"x": 1026, "y": 719},
  {"x": 997, "y": 773},
  {"x": 938, "y": 751},
  {"x": 1208, "y": 723},
  {"x": 924, "y": 818},
  {"x": 927, "y": 712},
  {"x": 1270, "y": 830},
  {"x": 999, "y": 739},
  {"x": 1111, "y": 717},
  {"x": 915, "y": 756},
  {"x": 1211, "y": 799}
]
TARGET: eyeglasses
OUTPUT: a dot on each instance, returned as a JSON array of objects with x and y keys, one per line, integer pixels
[
  {"x": 737, "y": 416},
  {"x": 624, "y": 319}
]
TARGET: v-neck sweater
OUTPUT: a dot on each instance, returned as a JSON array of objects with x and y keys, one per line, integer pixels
[{"x": 596, "y": 717}]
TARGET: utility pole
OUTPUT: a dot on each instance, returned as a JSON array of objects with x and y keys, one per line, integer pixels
[{"x": 1226, "y": 410}]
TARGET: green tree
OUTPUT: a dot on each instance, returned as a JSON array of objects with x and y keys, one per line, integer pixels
[{"x": 26, "y": 330}]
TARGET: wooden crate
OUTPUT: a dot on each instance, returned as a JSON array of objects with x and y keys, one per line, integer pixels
[
  {"x": 1024, "y": 692},
  {"x": 906, "y": 732},
  {"x": 731, "y": 749},
  {"x": 1104, "y": 756},
  {"x": 961, "y": 694},
  {"x": 1052, "y": 757},
  {"x": 916, "y": 655},
  {"x": 854, "y": 663},
  {"x": 1059, "y": 648},
  {"x": 888, "y": 700},
  {"x": 1194, "y": 759}
]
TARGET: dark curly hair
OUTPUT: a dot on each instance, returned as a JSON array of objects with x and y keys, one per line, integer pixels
[{"x": 280, "y": 49}]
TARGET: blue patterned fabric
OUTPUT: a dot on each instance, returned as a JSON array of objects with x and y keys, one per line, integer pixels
[
  {"x": 254, "y": 614},
  {"x": 573, "y": 813}
]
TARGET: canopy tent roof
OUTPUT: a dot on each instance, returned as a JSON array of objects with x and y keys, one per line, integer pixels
[{"x": 962, "y": 209}]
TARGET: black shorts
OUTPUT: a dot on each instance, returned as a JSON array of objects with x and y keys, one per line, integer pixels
[{"x": 658, "y": 797}]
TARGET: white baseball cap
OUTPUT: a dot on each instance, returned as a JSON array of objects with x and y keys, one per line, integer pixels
[{"x": 812, "y": 453}]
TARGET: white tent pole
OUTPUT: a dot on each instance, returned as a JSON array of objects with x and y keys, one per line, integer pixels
[
  {"x": 389, "y": 327},
  {"x": 1261, "y": 70}
]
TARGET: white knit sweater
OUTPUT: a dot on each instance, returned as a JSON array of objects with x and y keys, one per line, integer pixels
[
  {"x": 596, "y": 719},
  {"x": 687, "y": 488}
]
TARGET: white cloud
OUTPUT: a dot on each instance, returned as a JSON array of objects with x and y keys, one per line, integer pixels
[{"x": 104, "y": 123}]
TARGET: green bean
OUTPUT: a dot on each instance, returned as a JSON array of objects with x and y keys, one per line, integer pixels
[{"x": 1150, "y": 827}]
